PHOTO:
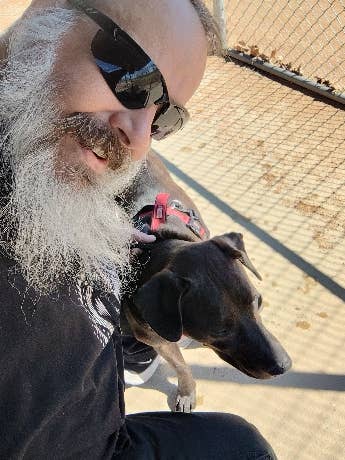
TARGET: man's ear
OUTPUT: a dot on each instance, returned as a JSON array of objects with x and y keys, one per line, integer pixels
[
  {"x": 233, "y": 244},
  {"x": 158, "y": 302}
]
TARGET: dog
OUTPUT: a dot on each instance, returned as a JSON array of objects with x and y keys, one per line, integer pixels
[{"x": 195, "y": 285}]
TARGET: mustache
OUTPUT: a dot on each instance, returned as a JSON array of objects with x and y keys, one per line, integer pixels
[{"x": 95, "y": 135}]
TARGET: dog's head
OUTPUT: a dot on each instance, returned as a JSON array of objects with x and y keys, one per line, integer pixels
[{"x": 205, "y": 293}]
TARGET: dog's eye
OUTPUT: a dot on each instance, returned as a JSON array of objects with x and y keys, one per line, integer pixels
[
  {"x": 257, "y": 302},
  {"x": 221, "y": 333},
  {"x": 260, "y": 301}
]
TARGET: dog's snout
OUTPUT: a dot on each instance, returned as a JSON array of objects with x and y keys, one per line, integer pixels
[
  {"x": 281, "y": 367},
  {"x": 254, "y": 350}
]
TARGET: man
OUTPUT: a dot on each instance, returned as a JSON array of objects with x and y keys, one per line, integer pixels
[{"x": 80, "y": 100}]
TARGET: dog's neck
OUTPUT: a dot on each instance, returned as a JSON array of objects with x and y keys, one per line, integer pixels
[{"x": 157, "y": 256}]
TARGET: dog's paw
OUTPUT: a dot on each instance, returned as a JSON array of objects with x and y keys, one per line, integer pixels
[{"x": 185, "y": 403}]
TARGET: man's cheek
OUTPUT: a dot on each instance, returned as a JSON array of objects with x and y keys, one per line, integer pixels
[{"x": 86, "y": 91}]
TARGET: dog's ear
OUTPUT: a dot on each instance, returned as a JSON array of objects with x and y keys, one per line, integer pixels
[
  {"x": 158, "y": 302},
  {"x": 232, "y": 244}
]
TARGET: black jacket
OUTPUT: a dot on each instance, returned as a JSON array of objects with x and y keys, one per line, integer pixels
[{"x": 61, "y": 371}]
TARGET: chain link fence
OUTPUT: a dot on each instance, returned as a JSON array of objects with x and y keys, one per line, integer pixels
[
  {"x": 294, "y": 138},
  {"x": 303, "y": 36}
]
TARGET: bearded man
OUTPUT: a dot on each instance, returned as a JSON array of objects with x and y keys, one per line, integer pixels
[{"x": 82, "y": 92}]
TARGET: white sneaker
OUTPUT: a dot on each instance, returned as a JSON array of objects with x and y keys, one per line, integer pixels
[{"x": 139, "y": 373}]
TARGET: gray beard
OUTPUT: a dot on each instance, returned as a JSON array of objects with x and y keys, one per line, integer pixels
[{"x": 63, "y": 228}]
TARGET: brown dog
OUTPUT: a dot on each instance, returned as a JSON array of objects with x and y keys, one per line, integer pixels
[{"x": 198, "y": 287}]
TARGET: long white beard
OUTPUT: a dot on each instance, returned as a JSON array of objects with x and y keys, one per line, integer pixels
[{"x": 62, "y": 228}]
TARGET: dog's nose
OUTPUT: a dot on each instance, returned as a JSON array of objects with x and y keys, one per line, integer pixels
[{"x": 281, "y": 367}]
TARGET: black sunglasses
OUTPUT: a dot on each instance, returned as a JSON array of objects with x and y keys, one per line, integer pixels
[{"x": 131, "y": 75}]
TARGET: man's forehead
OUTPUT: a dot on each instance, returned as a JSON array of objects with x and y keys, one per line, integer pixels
[{"x": 169, "y": 31}]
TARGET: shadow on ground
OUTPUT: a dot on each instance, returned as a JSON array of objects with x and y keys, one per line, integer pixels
[
  {"x": 293, "y": 379},
  {"x": 309, "y": 269}
]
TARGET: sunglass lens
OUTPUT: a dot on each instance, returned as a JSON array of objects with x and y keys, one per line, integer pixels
[
  {"x": 170, "y": 119},
  {"x": 141, "y": 88},
  {"x": 136, "y": 81},
  {"x": 130, "y": 74}
]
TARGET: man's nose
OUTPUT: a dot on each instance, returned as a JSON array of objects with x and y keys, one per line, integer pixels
[{"x": 134, "y": 129}]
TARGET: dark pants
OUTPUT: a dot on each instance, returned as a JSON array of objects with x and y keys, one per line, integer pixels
[{"x": 196, "y": 436}]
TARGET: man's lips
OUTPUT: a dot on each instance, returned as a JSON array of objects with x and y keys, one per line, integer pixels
[
  {"x": 99, "y": 153},
  {"x": 98, "y": 157},
  {"x": 95, "y": 159}
]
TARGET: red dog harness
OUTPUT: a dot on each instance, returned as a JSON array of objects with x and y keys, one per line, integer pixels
[{"x": 161, "y": 210}]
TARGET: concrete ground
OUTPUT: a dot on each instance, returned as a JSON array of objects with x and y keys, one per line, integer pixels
[{"x": 262, "y": 158}]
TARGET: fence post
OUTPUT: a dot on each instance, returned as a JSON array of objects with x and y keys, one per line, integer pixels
[{"x": 220, "y": 16}]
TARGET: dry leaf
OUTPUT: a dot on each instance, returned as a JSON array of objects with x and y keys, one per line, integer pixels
[{"x": 254, "y": 50}]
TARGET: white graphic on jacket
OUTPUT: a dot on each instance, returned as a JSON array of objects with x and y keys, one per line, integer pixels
[{"x": 102, "y": 322}]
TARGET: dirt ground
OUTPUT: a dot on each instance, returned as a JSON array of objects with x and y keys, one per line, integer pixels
[
  {"x": 262, "y": 158},
  {"x": 10, "y": 10}
]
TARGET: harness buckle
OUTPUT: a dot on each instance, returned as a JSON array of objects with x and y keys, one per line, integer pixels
[{"x": 160, "y": 212}]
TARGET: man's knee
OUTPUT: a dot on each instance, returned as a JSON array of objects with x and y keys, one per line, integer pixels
[{"x": 242, "y": 438}]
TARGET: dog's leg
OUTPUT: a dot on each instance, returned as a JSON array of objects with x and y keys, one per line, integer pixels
[
  {"x": 186, "y": 394},
  {"x": 170, "y": 351}
]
